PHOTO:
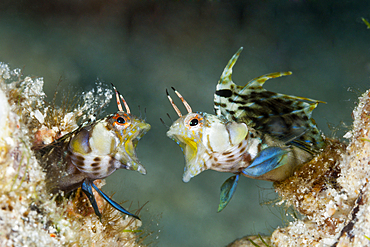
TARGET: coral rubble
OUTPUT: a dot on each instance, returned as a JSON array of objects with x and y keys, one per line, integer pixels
[
  {"x": 331, "y": 192},
  {"x": 28, "y": 215}
]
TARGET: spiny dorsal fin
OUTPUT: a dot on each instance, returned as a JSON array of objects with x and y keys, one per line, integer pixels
[{"x": 274, "y": 114}]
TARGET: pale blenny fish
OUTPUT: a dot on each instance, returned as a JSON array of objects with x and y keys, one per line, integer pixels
[
  {"x": 94, "y": 151},
  {"x": 255, "y": 133}
]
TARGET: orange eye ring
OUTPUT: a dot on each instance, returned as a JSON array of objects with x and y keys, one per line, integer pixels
[
  {"x": 194, "y": 121},
  {"x": 120, "y": 121}
]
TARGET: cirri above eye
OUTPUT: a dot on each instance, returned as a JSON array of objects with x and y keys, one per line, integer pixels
[
  {"x": 94, "y": 150},
  {"x": 255, "y": 133}
]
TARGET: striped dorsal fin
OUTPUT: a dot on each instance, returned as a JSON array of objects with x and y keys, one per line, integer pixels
[{"x": 281, "y": 116}]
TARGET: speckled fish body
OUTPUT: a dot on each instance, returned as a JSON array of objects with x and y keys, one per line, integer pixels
[
  {"x": 94, "y": 151},
  {"x": 212, "y": 142},
  {"x": 227, "y": 146},
  {"x": 256, "y": 133}
]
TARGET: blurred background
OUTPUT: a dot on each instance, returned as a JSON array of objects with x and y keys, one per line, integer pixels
[{"x": 144, "y": 47}]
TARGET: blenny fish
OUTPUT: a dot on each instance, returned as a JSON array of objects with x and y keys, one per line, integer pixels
[
  {"x": 94, "y": 151},
  {"x": 255, "y": 133}
]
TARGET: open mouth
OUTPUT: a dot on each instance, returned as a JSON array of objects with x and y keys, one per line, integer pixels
[{"x": 130, "y": 145}]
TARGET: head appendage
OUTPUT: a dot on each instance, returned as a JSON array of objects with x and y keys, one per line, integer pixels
[
  {"x": 125, "y": 103},
  {"x": 164, "y": 124},
  {"x": 173, "y": 104},
  {"x": 187, "y": 106},
  {"x": 118, "y": 96}
]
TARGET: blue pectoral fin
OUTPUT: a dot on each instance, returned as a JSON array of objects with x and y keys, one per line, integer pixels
[
  {"x": 86, "y": 188},
  {"x": 113, "y": 203},
  {"x": 227, "y": 191},
  {"x": 267, "y": 160}
]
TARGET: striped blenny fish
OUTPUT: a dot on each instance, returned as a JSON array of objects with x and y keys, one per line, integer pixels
[
  {"x": 94, "y": 151},
  {"x": 255, "y": 133}
]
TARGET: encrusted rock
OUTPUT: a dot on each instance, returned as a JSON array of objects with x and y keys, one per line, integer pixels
[
  {"x": 28, "y": 215},
  {"x": 331, "y": 192}
]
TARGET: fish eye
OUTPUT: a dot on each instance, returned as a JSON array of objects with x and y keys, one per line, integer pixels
[
  {"x": 193, "y": 122},
  {"x": 121, "y": 120}
]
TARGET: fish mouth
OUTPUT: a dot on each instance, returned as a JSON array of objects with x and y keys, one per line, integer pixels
[
  {"x": 190, "y": 149},
  {"x": 130, "y": 157},
  {"x": 194, "y": 161},
  {"x": 188, "y": 146}
]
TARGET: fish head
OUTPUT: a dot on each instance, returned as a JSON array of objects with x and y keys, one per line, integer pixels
[
  {"x": 187, "y": 132},
  {"x": 101, "y": 147},
  {"x": 203, "y": 137},
  {"x": 127, "y": 130}
]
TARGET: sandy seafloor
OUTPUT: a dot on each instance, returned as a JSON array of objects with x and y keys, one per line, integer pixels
[{"x": 144, "y": 47}]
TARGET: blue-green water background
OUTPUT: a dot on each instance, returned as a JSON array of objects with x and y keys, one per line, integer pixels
[{"x": 144, "y": 47}]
